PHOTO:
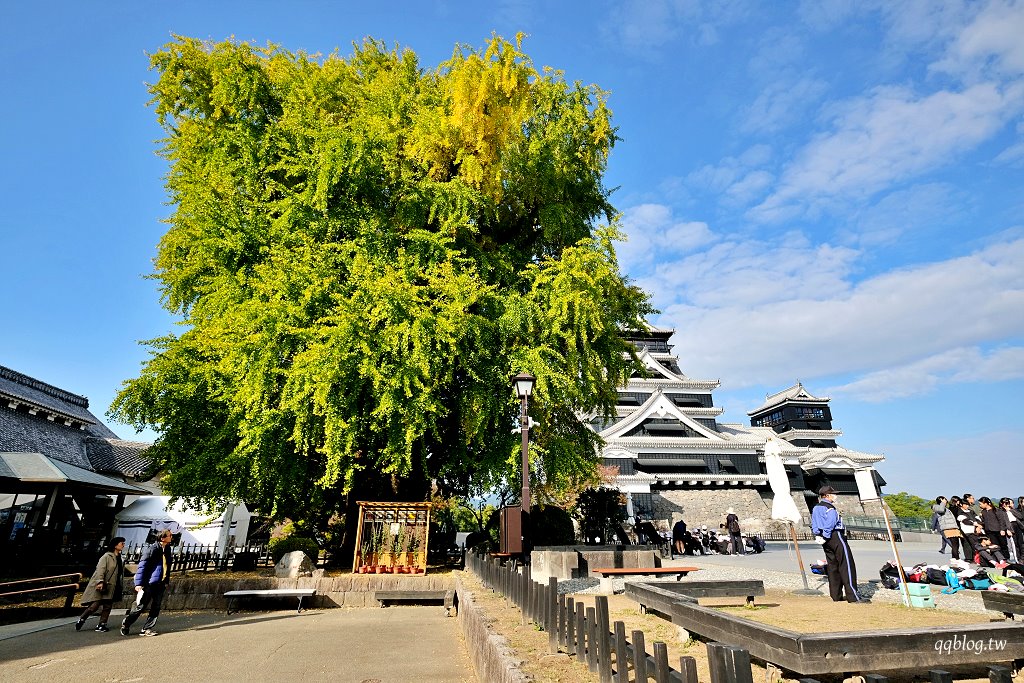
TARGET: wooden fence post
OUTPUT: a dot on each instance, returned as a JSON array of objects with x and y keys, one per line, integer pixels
[
  {"x": 1000, "y": 674},
  {"x": 570, "y": 623},
  {"x": 639, "y": 657},
  {"x": 688, "y": 669},
  {"x": 603, "y": 639},
  {"x": 592, "y": 639},
  {"x": 581, "y": 633},
  {"x": 739, "y": 664},
  {"x": 552, "y": 613},
  {"x": 661, "y": 668},
  {"x": 621, "y": 653}
]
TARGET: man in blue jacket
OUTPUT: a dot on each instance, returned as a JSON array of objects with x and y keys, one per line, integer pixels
[
  {"x": 830, "y": 534},
  {"x": 151, "y": 579}
]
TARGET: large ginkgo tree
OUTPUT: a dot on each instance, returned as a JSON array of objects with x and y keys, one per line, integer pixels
[{"x": 362, "y": 252}]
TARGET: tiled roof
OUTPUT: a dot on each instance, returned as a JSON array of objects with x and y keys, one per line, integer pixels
[
  {"x": 119, "y": 456},
  {"x": 797, "y": 392},
  {"x": 22, "y": 388},
  {"x": 36, "y": 417},
  {"x": 24, "y": 433}
]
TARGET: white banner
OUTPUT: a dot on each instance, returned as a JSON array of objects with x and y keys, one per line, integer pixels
[
  {"x": 783, "y": 506},
  {"x": 866, "y": 488}
]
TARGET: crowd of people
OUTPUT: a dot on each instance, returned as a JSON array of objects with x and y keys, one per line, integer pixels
[
  {"x": 986, "y": 533},
  {"x": 727, "y": 540}
]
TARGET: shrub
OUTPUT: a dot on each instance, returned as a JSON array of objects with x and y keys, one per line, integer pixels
[
  {"x": 551, "y": 526},
  {"x": 279, "y": 547}
]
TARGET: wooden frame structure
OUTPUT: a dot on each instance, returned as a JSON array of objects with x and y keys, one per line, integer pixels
[{"x": 391, "y": 538}]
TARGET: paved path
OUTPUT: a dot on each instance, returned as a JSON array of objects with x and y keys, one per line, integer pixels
[
  {"x": 779, "y": 556},
  {"x": 397, "y": 644}
]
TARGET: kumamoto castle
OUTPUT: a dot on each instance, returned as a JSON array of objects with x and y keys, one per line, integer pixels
[
  {"x": 675, "y": 459},
  {"x": 64, "y": 474}
]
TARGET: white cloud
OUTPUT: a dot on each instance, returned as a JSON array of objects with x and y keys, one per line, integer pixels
[
  {"x": 764, "y": 313},
  {"x": 925, "y": 467},
  {"x": 924, "y": 376},
  {"x": 917, "y": 210},
  {"x": 991, "y": 43},
  {"x": 654, "y": 234},
  {"x": 887, "y": 137},
  {"x": 737, "y": 178},
  {"x": 646, "y": 27},
  {"x": 783, "y": 103}
]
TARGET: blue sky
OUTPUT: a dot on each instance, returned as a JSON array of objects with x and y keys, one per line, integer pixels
[{"x": 830, "y": 192}]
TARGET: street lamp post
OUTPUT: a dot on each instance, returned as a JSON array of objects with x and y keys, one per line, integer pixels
[{"x": 523, "y": 386}]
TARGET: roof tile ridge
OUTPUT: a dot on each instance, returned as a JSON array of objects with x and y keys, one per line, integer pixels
[{"x": 46, "y": 388}]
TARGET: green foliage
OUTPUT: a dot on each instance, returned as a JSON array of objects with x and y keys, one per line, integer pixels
[
  {"x": 905, "y": 504},
  {"x": 551, "y": 526},
  {"x": 472, "y": 517},
  {"x": 279, "y": 547},
  {"x": 600, "y": 513},
  {"x": 362, "y": 253}
]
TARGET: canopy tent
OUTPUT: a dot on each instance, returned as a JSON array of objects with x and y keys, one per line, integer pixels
[{"x": 151, "y": 513}]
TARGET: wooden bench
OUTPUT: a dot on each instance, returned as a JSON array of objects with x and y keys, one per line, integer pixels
[
  {"x": 447, "y": 597},
  {"x": 1007, "y": 603},
  {"x": 748, "y": 589},
  {"x": 606, "y": 573},
  {"x": 299, "y": 593}
]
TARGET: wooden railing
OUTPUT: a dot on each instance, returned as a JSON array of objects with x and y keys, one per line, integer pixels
[
  {"x": 585, "y": 633},
  {"x": 18, "y": 591}
]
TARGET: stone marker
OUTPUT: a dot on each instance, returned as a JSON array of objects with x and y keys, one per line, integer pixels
[{"x": 293, "y": 565}]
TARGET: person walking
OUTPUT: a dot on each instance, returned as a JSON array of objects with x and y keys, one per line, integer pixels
[
  {"x": 938, "y": 509},
  {"x": 949, "y": 528},
  {"x": 829, "y": 532},
  {"x": 105, "y": 587},
  {"x": 151, "y": 579},
  {"x": 732, "y": 525}
]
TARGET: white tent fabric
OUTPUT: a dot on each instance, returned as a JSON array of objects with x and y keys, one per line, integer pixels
[
  {"x": 783, "y": 506},
  {"x": 150, "y": 513}
]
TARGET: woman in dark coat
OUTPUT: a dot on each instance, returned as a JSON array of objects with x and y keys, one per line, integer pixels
[
  {"x": 105, "y": 586},
  {"x": 995, "y": 524}
]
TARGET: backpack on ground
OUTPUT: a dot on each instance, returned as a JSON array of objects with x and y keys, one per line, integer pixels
[
  {"x": 890, "y": 575},
  {"x": 954, "y": 583}
]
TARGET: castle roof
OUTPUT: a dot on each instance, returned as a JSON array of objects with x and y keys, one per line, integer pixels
[{"x": 797, "y": 392}]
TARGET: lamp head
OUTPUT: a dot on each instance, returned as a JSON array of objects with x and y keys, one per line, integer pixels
[{"x": 523, "y": 383}]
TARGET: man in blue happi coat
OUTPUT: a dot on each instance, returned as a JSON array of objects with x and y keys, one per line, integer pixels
[{"x": 830, "y": 534}]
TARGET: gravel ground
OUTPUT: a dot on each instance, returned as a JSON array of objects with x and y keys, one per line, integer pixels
[{"x": 962, "y": 601}]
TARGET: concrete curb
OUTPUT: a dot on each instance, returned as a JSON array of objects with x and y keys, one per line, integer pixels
[{"x": 493, "y": 658}]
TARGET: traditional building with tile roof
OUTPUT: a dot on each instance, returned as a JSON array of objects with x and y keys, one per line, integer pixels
[
  {"x": 63, "y": 473},
  {"x": 675, "y": 459}
]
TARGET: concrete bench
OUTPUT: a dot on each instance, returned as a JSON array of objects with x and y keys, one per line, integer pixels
[
  {"x": 299, "y": 593},
  {"x": 606, "y": 573},
  {"x": 447, "y": 597},
  {"x": 1007, "y": 603}
]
